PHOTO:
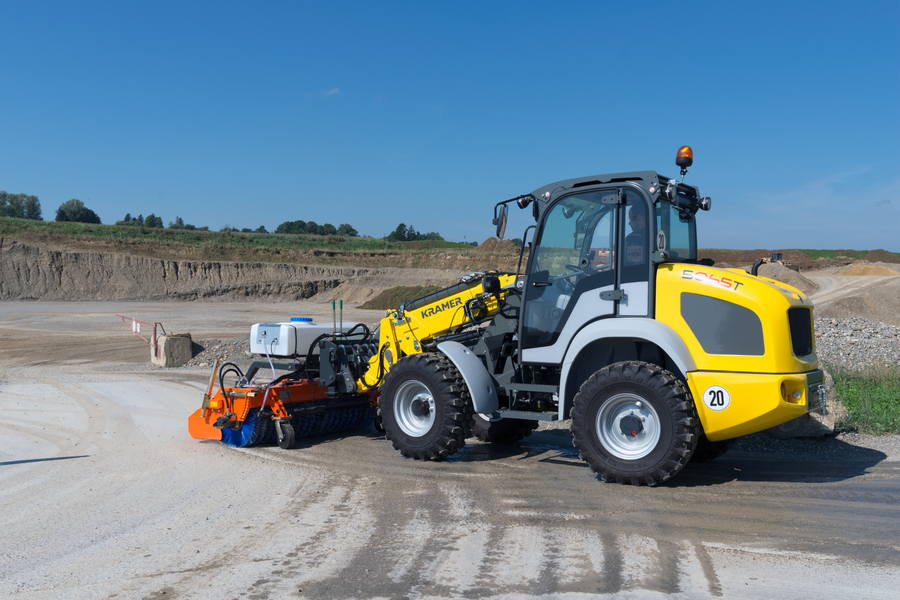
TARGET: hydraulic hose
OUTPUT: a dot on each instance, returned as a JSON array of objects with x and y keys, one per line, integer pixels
[
  {"x": 439, "y": 295},
  {"x": 232, "y": 368},
  {"x": 380, "y": 365},
  {"x": 364, "y": 326},
  {"x": 272, "y": 367},
  {"x": 310, "y": 351}
]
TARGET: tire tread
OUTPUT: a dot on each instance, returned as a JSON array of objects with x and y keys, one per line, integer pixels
[
  {"x": 457, "y": 406},
  {"x": 672, "y": 391}
]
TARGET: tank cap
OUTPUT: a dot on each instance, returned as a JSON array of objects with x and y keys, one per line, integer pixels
[{"x": 302, "y": 319}]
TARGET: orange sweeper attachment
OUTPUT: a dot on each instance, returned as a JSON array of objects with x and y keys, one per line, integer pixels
[{"x": 289, "y": 406}]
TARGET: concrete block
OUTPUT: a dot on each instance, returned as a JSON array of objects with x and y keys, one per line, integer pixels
[{"x": 172, "y": 350}]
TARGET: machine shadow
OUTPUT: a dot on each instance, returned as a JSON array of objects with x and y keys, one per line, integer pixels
[
  {"x": 35, "y": 460},
  {"x": 308, "y": 442},
  {"x": 544, "y": 446},
  {"x": 842, "y": 462}
]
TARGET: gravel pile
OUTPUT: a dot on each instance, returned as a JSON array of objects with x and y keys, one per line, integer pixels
[
  {"x": 856, "y": 343},
  {"x": 235, "y": 350}
]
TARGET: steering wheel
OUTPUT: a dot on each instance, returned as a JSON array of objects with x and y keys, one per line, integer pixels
[
  {"x": 562, "y": 281},
  {"x": 578, "y": 270}
]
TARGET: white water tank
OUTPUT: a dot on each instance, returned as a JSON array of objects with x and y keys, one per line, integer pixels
[{"x": 289, "y": 339}]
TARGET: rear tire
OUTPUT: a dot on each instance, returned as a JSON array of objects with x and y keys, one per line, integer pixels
[
  {"x": 502, "y": 431},
  {"x": 634, "y": 422},
  {"x": 425, "y": 407}
]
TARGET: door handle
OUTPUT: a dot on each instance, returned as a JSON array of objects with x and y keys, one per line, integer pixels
[{"x": 540, "y": 283}]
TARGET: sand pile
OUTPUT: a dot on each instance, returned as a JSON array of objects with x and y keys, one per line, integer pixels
[
  {"x": 496, "y": 246},
  {"x": 869, "y": 270},
  {"x": 781, "y": 273},
  {"x": 876, "y": 303}
]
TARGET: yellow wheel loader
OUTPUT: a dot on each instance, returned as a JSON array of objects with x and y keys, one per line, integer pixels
[{"x": 654, "y": 354}]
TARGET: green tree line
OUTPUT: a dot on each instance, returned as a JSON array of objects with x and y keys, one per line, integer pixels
[
  {"x": 23, "y": 206},
  {"x": 75, "y": 211},
  {"x": 311, "y": 227},
  {"x": 20, "y": 206},
  {"x": 405, "y": 233}
]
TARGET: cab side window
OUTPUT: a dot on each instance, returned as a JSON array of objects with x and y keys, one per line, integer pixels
[
  {"x": 674, "y": 231},
  {"x": 636, "y": 251},
  {"x": 599, "y": 253}
]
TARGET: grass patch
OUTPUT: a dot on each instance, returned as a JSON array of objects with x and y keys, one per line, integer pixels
[
  {"x": 836, "y": 254},
  {"x": 394, "y": 297},
  {"x": 871, "y": 397}
]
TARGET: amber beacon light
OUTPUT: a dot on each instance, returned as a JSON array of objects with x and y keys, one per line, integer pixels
[{"x": 685, "y": 157}]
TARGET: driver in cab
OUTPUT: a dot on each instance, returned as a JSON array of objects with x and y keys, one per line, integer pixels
[{"x": 636, "y": 241}]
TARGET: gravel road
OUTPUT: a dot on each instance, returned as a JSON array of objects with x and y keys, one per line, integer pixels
[{"x": 104, "y": 495}]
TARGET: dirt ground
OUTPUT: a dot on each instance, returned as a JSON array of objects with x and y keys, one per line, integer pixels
[
  {"x": 861, "y": 290},
  {"x": 105, "y": 495}
]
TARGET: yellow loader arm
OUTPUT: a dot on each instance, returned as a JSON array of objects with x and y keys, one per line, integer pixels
[{"x": 416, "y": 323}]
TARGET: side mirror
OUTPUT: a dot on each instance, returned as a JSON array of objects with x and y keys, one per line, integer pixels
[{"x": 500, "y": 222}]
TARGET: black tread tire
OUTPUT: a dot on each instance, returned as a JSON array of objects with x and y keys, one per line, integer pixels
[
  {"x": 452, "y": 410},
  {"x": 708, "y": 450},
  {"x": 504, "y": 431},
  {"x": 287, "y": 439},
  {"x": 670, "y": 399}
]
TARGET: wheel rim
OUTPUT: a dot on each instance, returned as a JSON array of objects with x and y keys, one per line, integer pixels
[
  {"x": 414, "y": 408},
  {"x": 610, "y": 424}
]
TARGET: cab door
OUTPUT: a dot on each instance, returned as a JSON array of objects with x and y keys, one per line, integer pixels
[{"x": 572, "y": 272}]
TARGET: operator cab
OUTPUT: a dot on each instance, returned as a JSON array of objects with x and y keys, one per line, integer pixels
[{"x": 595, "y": 249}]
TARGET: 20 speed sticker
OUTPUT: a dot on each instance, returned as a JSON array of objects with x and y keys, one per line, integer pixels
[{"x": 715, "y": 397}]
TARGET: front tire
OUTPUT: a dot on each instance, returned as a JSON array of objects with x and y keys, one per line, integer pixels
[
  {"x": 425, "y": 407},
  {"x": 502, "y": 431},
  {"x": 634, "y": 422}
]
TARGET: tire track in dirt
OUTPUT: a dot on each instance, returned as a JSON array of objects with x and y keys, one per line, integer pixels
[
  {"x": 832, "y": 288},
  {"x": 156, "y": 514}
]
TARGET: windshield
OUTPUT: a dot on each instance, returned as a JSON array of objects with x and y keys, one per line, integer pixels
[{"x": 577, "y": 234}]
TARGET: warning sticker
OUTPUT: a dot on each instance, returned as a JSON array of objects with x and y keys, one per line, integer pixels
[
  {"x": 715, "y": 397},
  {"x": 634, "y": 254}
]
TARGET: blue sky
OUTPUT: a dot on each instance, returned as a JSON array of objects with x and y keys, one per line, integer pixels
[{"x": 375, "y": 113}]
